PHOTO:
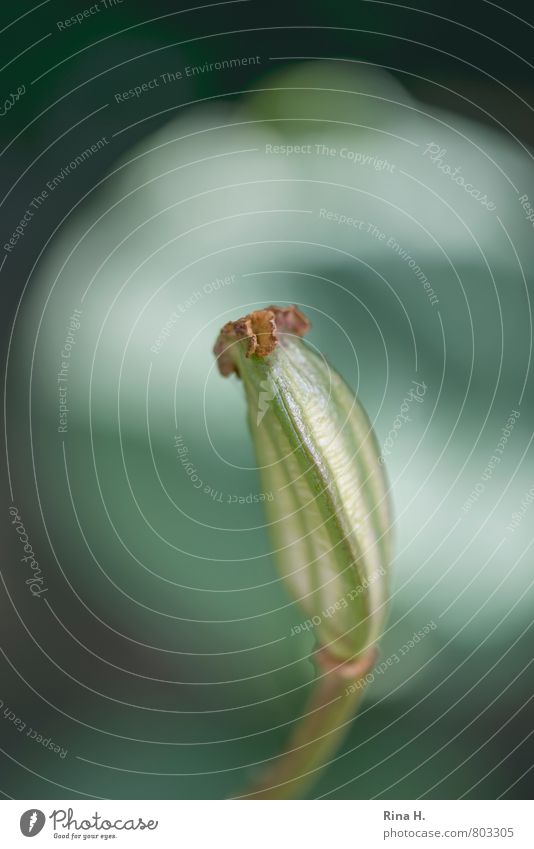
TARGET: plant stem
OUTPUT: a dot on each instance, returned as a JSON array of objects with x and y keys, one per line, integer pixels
[{"x": 338, "y": 694}]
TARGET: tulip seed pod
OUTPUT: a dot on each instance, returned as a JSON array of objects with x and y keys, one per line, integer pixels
[{"x": 329, "y": 519}]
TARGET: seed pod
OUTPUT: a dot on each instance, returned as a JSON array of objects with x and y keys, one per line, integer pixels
[{"x": 329, "y": 519}]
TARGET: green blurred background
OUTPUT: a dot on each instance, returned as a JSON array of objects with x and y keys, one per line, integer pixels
[{"x": 161, "y": 655}]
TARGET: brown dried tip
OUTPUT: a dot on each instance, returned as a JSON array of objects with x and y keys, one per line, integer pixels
[{"x": 261, "y": 329}]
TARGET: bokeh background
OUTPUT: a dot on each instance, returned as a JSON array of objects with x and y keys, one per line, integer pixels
[{"x": 160, "y": 659}]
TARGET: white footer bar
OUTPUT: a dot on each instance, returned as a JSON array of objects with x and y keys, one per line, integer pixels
[{"x": 268, "y": 825}]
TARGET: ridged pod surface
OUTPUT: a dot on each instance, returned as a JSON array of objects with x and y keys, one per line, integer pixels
[{"x": 330, "y": 517}]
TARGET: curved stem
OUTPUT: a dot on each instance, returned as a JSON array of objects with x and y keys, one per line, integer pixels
[{"x": 338, "y": 693}]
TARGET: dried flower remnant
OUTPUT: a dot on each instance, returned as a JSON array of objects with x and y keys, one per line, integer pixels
[
  {"x": 329, "y": 520},
  {"x": 261, "y": 331}
]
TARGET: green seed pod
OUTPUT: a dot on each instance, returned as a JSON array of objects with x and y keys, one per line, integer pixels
[{"x": 316, "y": 451}]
